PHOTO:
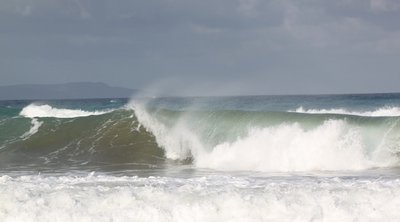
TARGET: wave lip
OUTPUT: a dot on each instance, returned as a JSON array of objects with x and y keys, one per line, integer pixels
[
  {"x": 273, "y": 143},
  {"x": 332, "y": 146},
  {"x": 381, "y": 112},
  {"x": 35, "y": 110}
]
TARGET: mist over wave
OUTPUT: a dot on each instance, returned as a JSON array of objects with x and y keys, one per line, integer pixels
[
  {"x": 252, "y": 158},
  {"x": 274, "y": 141},
  {"x": 230, "y": 140}
]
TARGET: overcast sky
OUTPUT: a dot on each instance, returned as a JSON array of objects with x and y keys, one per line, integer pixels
[{"x": 204, "y": 47}]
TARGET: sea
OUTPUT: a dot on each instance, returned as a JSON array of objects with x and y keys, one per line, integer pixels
[{"x": 237, "y": 158}]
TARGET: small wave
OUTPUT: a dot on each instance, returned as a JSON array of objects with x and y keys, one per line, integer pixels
[
  {"x": 34, "y": 110},
  {"x": 384, "y": 111}
]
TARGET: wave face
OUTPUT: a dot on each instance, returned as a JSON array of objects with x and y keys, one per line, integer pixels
[
  {"x": 84, "y": 139},
  {"x": 201, "y": 159},
  {"x": 274, "y": 141},
  {"x": 143, "y": 134}
]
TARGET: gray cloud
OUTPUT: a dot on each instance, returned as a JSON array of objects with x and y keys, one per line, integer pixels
[{"x": 205, "y": 47}]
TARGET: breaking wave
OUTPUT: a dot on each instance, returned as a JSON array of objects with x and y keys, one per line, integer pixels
[
  {"x": 274, "y": 141},
  {"x": 139, "y": 136},
  {"x": 46, "y": 137},
  {"x": 210, "y": 198},
  {"x": 385, "y": 111},
  {"x": 35, "y": 110}
]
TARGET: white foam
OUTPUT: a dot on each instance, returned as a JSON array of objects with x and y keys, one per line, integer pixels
[
  {"x": 34, "y": 110},
  {"x": 211, "y": 198},
  {"x": 334, "y": 145},
  {"x": 384, "y": 111},
  {"x": 35, "y": 125},
  {"x": 178, "y": 142}
]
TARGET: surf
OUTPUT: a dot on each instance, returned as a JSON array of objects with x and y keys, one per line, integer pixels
[
  {"x": 383, "y": 111},
  {"x": 106, "y": 139},
  {"x": 141, "y": 135},
  {"x": 274, "y": 141},
  {"x": 173, "y": 158},
  {"x": 44, "y": 110}
]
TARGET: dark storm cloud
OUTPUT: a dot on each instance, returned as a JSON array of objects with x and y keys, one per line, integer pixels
[{"x": 204, "y": 47}]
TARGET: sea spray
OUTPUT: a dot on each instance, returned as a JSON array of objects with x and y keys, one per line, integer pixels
[
  {"x": 201, "y": 159},
  {"x": 278, "y": 143},
  {"x": 229, "y": 140}
]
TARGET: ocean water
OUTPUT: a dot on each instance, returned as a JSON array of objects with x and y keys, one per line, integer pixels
[{"x": 245, "y": 158}]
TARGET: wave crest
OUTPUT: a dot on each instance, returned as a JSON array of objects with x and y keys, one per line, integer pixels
[
  {"x": 217, "y": 139},
  {"x": 384, "y": 111},
  {"x": 332, "y": 146},
  {"x": 35, "y": 110},
  {"x": 295, "y": 142}
]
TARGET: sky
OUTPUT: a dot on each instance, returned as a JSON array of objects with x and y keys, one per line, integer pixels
[{"x": 204, "y": 47}]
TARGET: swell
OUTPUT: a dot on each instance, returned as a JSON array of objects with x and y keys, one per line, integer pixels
[
  {"x": 274, "y": 141},
  {"x": 107, "y": 140},
  {"x": 137, "y": 136}
]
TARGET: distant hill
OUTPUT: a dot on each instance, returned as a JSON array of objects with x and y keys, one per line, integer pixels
[{"x": 77, "y": 90}]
